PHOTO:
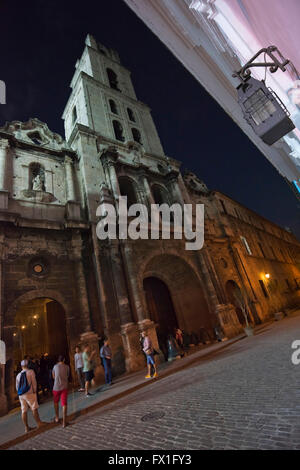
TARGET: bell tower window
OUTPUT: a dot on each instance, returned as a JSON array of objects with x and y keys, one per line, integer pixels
[
  {"x": 74, "y": 115},
  {"x": 113, "y": 79},
  {"x": 130, "y": 114},
  {"x": 118, "y": 131},
  {"x": 136, "y": 135},
  {"x": 113, "y": 107}
]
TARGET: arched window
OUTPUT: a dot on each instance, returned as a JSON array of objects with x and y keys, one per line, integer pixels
[
  {"x": 113, "y": 79},
  {"x": 74, "y": 115},
  {"x": 161, "y": 196},
  {"x": 36, "y": 177},
  {"x": 118, "y": 131},
  {"x": 113, "y": 107},
  {"x": 130, "y": 114},
  {"x": 127, "y": 188},
  {"x": 136, "y": 135}
]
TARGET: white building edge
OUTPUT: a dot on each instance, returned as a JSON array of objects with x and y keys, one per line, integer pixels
[{"x": 201, "y": 35}]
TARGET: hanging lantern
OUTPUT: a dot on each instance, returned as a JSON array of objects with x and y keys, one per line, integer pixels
[{"x": 264, "y": 111}]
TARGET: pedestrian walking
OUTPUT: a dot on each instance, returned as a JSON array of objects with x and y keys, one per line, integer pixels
[
  {"x": 60, "y": 374},
  {"x": 106, "y": 355},
  {"x": 148, "y": 350},
  {"x": 26, "y": 386},
  {"x": 88, "y": 368},
  {"x": 79, "y": 368}
]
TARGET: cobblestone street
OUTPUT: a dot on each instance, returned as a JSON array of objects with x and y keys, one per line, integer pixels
[{"x": 245, "y": 397}]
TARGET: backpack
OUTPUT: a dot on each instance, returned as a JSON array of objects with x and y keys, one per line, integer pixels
[{"x": 23, "y": 384}]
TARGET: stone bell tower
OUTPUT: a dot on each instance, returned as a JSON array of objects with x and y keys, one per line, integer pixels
[
  {"x": 116, "y": 141},
  {"x": 103, "y": 111}
]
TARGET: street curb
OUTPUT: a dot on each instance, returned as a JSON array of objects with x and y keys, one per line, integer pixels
[{"x": 120, "y": 395}]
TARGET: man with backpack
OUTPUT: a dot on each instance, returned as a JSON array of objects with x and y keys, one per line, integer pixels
[{"x": 27, "y": 390}]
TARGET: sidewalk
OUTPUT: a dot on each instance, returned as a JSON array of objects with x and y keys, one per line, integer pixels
[{"x": 11, "y": 426}]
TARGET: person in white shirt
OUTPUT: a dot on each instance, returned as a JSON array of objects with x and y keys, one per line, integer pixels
[
  {"x": 28, "y": 399},
  {"x": 79, "y": 368}
]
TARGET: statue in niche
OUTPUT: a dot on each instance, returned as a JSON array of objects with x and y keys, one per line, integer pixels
[{"x": 38, "y": 179}]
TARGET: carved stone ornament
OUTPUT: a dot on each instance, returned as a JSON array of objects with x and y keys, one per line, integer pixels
[
  {"x": 35, "y": 132},
  {"x": 193, "y": 182}
]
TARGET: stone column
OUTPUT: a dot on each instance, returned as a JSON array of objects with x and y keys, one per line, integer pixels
[
  {"x": 147, "y": 188},
  {"x": 143, "y": 322},
  {"x": 109, "y": 159},
  {"x": 137, "y": 302},
  {"x": 69, "y": 179},
  {"x": 4, "y": 148},
  {"x": 72, "y": 207},
  {"x": 120, "y": 284},
  {"x": 114, "y": 180}
]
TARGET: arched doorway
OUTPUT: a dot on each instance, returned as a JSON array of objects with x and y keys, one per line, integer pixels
[
  {"x": 40, "y": 330},
  {"x": 161, "y": 309},
  {"x": 233, "y": 292}
]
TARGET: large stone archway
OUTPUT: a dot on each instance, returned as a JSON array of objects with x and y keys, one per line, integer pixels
[
  {"x": 186, "y": 291},
  {"x": 58, "y": 307}
]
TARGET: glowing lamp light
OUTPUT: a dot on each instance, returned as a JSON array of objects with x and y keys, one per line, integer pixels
[
  {"x": 23, "y": 327},
  {"x": 15, "y": 334},
  {"x": 267, "y": 276},
  {"x": 264, "y": 111},
  {"x": 35, "y": 317}
]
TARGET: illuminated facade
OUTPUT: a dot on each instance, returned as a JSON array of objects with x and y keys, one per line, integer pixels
[
  {"x": 61, "y": 286},
  {"x": 214, "y": 38}
]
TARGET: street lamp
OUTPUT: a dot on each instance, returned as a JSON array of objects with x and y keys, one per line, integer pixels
[
  {"x": 261, "y": 106},
  {"x": 267, "y": 276}
]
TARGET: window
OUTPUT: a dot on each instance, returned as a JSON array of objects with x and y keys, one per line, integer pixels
[
  {"x": 273, "y": 252},
  {"x": 262, "y": 250},
  {"x": 283, "y": 257},
  {"x": 74, "y": 115},
  {"x": 118, "y": 131},
  {"x": 130, "y": 115},
  {"x": 127, "y": 188},
  {"x": 35, "y": 137},
  {"x": 246, "y": 245},
  {"x": 113, "y": 79},
  {"x": 263, "y": 288},
  {"x": 136, "y": 135},
  {"x": 113, "y": 107},
  {"x": 223, "y": 206}
]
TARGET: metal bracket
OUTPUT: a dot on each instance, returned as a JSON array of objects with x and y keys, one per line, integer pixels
[{"x": 244, "y": 73}]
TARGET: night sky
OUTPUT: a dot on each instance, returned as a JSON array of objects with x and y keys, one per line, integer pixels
[{"x": 40, "y": 43}]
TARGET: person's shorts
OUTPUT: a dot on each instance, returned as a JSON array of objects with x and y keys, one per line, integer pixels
[
  {"x": 89, "y": 375},
  {"x": 150, "y": 359},
  {"x": 28, "y": 400},
  {"x": 62, "y": 395}
]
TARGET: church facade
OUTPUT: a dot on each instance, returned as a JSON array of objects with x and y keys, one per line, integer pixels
[{"x": 61, "y": 286}]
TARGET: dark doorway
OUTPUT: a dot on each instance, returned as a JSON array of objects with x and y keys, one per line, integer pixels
[
  {"x": 40, "y": 333},
  {"x": 161, "y": 309}
]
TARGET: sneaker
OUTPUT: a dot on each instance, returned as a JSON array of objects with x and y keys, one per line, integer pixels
[
  {"x": 155, "y": 374},
  {"x": 148, "y": 376},
  {"x": 88, "y": 394}
]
